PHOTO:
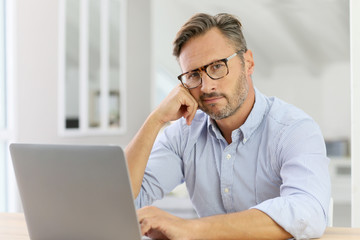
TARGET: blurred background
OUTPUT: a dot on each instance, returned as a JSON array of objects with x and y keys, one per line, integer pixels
[{"x": 90, "y": 71}]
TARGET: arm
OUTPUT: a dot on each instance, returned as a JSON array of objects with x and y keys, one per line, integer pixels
[
  {"x": 179, "y": 103},
  {"x": 249, "y": 224},
  {"x": 302, "y": 207}
]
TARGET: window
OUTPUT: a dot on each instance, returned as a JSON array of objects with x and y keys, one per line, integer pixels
[
  {"x": 3, "y": 113},
  {"x": 92, "y": 72},
  {"x": 8, "y": 189}
]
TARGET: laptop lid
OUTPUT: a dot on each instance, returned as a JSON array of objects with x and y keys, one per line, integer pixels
[{"x": 75, "y": 192}]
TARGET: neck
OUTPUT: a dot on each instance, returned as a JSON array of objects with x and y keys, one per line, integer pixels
[{"x": 229, "y": 124}]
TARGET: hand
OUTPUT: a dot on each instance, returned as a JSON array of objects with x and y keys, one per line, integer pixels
[
  {"x": 179, "y": 103},
  {"x": 158, "y": 224}
]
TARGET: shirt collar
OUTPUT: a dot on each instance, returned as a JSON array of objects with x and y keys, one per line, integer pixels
[
  {"x": 252, "y": 122},
  {"x": 213, "y": 128}
]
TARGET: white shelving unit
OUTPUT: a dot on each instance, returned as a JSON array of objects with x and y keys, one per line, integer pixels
[{"x": 340, "y": 174}]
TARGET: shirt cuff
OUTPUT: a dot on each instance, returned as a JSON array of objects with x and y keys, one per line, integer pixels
[{"x": 302, "y": 219}]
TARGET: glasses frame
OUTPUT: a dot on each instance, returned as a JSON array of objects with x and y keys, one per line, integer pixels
[{"x": 204, "y": 69}]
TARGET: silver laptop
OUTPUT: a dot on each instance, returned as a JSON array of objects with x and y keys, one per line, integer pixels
[{"x": 75, "y": 192}]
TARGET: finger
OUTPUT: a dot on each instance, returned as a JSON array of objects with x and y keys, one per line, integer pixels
[
  {"x": 191, "y": 110},
  {"x": 150, "y": 228},
  {"x": 190, "y": 103},
  {"x": 143, "y": 213},
  {"x": 146, "y": 212},
  {"x": 145, "y": 227}
]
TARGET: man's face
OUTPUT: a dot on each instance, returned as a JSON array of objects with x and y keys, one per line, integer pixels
[{"x": 218, "y": 98}]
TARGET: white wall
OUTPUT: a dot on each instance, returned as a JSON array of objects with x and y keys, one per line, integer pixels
[
  {"x": 37, "y": 72},
  {"x": 325, "y": 97},
  {"x": 355, "y": 150}
]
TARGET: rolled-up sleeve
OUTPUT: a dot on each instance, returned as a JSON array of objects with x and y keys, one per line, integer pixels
[
  {"x": 164, "y": 170},
  {"x": 302, "y": 208}
]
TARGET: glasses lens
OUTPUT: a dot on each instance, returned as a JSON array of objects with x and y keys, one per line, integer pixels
[
  {"x": 217, "y": 70},
  {"x": 191, "y": 79}
]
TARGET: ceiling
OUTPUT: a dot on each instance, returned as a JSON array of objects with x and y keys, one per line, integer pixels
[{"x": 311, "y": 33}]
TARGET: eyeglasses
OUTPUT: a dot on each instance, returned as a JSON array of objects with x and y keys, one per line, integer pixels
[{"x": 214, "y": 70}]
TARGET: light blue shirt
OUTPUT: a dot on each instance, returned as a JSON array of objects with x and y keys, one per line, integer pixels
[{"x": 276, "y": 163}]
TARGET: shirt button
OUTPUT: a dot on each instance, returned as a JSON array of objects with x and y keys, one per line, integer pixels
[
  {"x": 245, "y": 140},
  {"x": 228, "y": 156},
  {"x": 226, "y": 190}
]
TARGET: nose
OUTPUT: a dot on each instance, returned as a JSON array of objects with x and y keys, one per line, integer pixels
[{"x": 208, "y": 85}]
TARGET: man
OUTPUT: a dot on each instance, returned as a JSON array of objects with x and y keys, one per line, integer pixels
[{"x": 255, "y": 167}]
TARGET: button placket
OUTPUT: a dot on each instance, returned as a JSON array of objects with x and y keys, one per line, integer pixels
[{"x": 227, "y": 178}]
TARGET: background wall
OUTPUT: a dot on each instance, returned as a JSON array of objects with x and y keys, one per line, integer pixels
[{"x": 355, "y": 107}]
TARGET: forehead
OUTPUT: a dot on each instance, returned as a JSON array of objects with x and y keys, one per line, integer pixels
[{"x": 204, "y": 49}]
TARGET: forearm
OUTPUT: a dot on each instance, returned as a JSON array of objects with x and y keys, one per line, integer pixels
[
  {"x": 249, "y": 224},
  {"x": 179, "y": 103},
  {"x": 139, "y": 149}
]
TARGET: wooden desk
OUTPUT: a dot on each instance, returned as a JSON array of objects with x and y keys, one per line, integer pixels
[{"x": 13, "y": 227}]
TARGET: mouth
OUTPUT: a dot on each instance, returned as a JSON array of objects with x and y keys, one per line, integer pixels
[{"x": 212, "y": 100}]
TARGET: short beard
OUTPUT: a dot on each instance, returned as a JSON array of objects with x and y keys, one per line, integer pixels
[{"x": 239, "y": 96}]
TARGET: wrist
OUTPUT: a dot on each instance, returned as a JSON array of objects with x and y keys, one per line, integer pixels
[
  {"x": 157, "y": 117},
  {"x": 156, "y": 120},
  {"x": 195, "y": 228}
]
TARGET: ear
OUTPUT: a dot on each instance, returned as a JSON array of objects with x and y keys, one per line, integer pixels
[{"x": 249, "y": 62}]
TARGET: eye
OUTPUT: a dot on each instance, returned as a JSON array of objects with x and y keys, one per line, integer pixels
[
  {"x": 192, "y": 76},
  {"x": 216, "y": 66}
]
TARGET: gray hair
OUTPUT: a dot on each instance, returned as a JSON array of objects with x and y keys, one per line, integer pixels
[{"x": 200, "y": 23}]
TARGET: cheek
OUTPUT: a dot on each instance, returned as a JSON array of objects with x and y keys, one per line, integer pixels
[
  {"x": 195, "y": 93},
  {"x": 228, "y": 84}
]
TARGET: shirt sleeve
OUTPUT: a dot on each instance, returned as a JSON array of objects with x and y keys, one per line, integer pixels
[
  {"x": 165, "y": 168},
  {"x": 302, "y": 208}
]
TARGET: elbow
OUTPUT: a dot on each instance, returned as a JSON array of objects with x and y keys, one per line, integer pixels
[
  {"x": 313, "y": 227},
  {"x": 310, "y": 232}
]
